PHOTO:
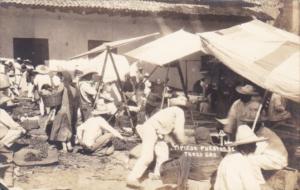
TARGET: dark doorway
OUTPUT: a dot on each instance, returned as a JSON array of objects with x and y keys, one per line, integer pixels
[{"x": 34, "y": 49}]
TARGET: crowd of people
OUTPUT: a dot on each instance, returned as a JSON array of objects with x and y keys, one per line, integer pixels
[{"x": 82, "y": 110}]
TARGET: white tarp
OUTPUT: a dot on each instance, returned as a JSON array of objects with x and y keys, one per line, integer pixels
[
  {"x": 267, "y": 56},
  {"x": 113, "y": 44},
  {"x": 96, "y": 65},
  {"x": 168, "y": 48}
]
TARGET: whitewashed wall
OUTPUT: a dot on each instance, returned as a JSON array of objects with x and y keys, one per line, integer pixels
[{"x": 68, "y": 33}]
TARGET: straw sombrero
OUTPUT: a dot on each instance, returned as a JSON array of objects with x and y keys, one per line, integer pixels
[
  {"x": 245, "y": 135},
  {"x": 88, "y": 76},
  {"x": 223, "y": 121},
  {"x": 246, "y": 90},
  {"x": 178, "y": 101},
  {"x": 42, "y": 69},
  {"x": 21, "y": 157}
]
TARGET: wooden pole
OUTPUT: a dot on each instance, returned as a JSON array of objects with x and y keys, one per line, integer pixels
[
  {"x": 120, "y": 89},
  {"x": 259, "y": 110},
  {"x": 165, "y": 86},
  {"x": 133, "y": 95},
  {"x": 101, "y": 79},
  {"x": 182, "y": 79},
  {"x": 186, "y": 76}
]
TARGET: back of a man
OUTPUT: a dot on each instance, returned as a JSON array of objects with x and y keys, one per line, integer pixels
[{"x": 197, "y": 163}]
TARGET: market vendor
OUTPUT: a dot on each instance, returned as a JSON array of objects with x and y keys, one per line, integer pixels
[
  {"x": 88, "y": 92},
  {"x": 277, "y": 109},
  {"x": 167, "y": 122},
  {"x": 10, "y": 131},
  {"x": 238, "y": 108},
  {"x": 271, "y": 155},
  {"x": 42, "y": 79},
  {"x": 95, "y": 135},
  {"x": 236, "y": 171}
]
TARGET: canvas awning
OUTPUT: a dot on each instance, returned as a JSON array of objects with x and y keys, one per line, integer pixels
[
  {"x": 168, "y": 48},
  {"x": 263, "y": 54},
  {"x": 96, "y": 65},
  {"x": 113, "y": 44}
]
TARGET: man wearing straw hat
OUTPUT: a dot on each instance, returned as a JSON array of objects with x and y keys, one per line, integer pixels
[
  {"x": 88, "y": 92},
  {"x": 236, "y": 170},
  {"x": 271, "y": 155},
  {"x": 42, "y": 78},
  {"x": 238, "y": 108}
]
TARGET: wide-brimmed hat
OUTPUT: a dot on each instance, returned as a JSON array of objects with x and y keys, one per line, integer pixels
[
  {"x": 88, "y": 76},
  {"x": 27, "y": 61},
  {"x": 101, "y": 108},
  {"x": 250, "y": 113},
  {"x": 246, "y": 90},
  {"x": 42, "y": 69},
  {"x": 223, "y": 121},
  {"x": 178, "y": 101},
  {"x": 33, "y": 157},
  {"x": 4, "y": 81},
  {"x": 245, "y": 135}
]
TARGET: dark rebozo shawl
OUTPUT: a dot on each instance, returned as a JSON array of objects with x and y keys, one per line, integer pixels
[{"x": 65, "y": 119}]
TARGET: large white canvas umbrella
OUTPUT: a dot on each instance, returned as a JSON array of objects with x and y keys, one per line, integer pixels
[
  {"x": 167, "y": 49},
  {"x": 96, "y": 65},
  {"x": 114, "y": 44},
  {"x": 263, "y": 54}
]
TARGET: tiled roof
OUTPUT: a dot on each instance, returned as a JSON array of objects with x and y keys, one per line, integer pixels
[{"x": 189, "y": 7}]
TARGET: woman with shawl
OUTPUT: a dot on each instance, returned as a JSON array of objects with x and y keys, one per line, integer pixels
[{"x": 65, "y": 120}]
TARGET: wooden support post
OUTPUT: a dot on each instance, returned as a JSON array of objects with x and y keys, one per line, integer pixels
[
  {"x": 165, "y": 87},
  {"x": 182, "y": 79},
  {"x": 124, "y": 99},
  {"x": 101, "y": 80}
]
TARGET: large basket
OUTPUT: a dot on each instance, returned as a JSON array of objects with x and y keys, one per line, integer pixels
[{"x": 52, "y": 100}]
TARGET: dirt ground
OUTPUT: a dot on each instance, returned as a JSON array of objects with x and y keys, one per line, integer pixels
[{"x": 76, "y": 171}]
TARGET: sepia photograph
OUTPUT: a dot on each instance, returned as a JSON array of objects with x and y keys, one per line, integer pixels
[{"x": 149, "y": 94}]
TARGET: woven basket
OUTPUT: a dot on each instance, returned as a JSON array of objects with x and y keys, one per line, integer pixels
[
  {"x": 53, "y": 99},
  {"x": 30, "y": 124}
]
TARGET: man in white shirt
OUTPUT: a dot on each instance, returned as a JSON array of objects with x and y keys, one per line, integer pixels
[
  {"x": 238, "y": 108},
  {"x": 41, "y": 79},
  {"x": 95, "y": 135},
  {"x": 10, "y": 131},
  {"x": 236, "y": 171},
  {"x": 271, "y": 154},
  {"x": 88, "y": 92},
  {"x": 166, "y": 122}
]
